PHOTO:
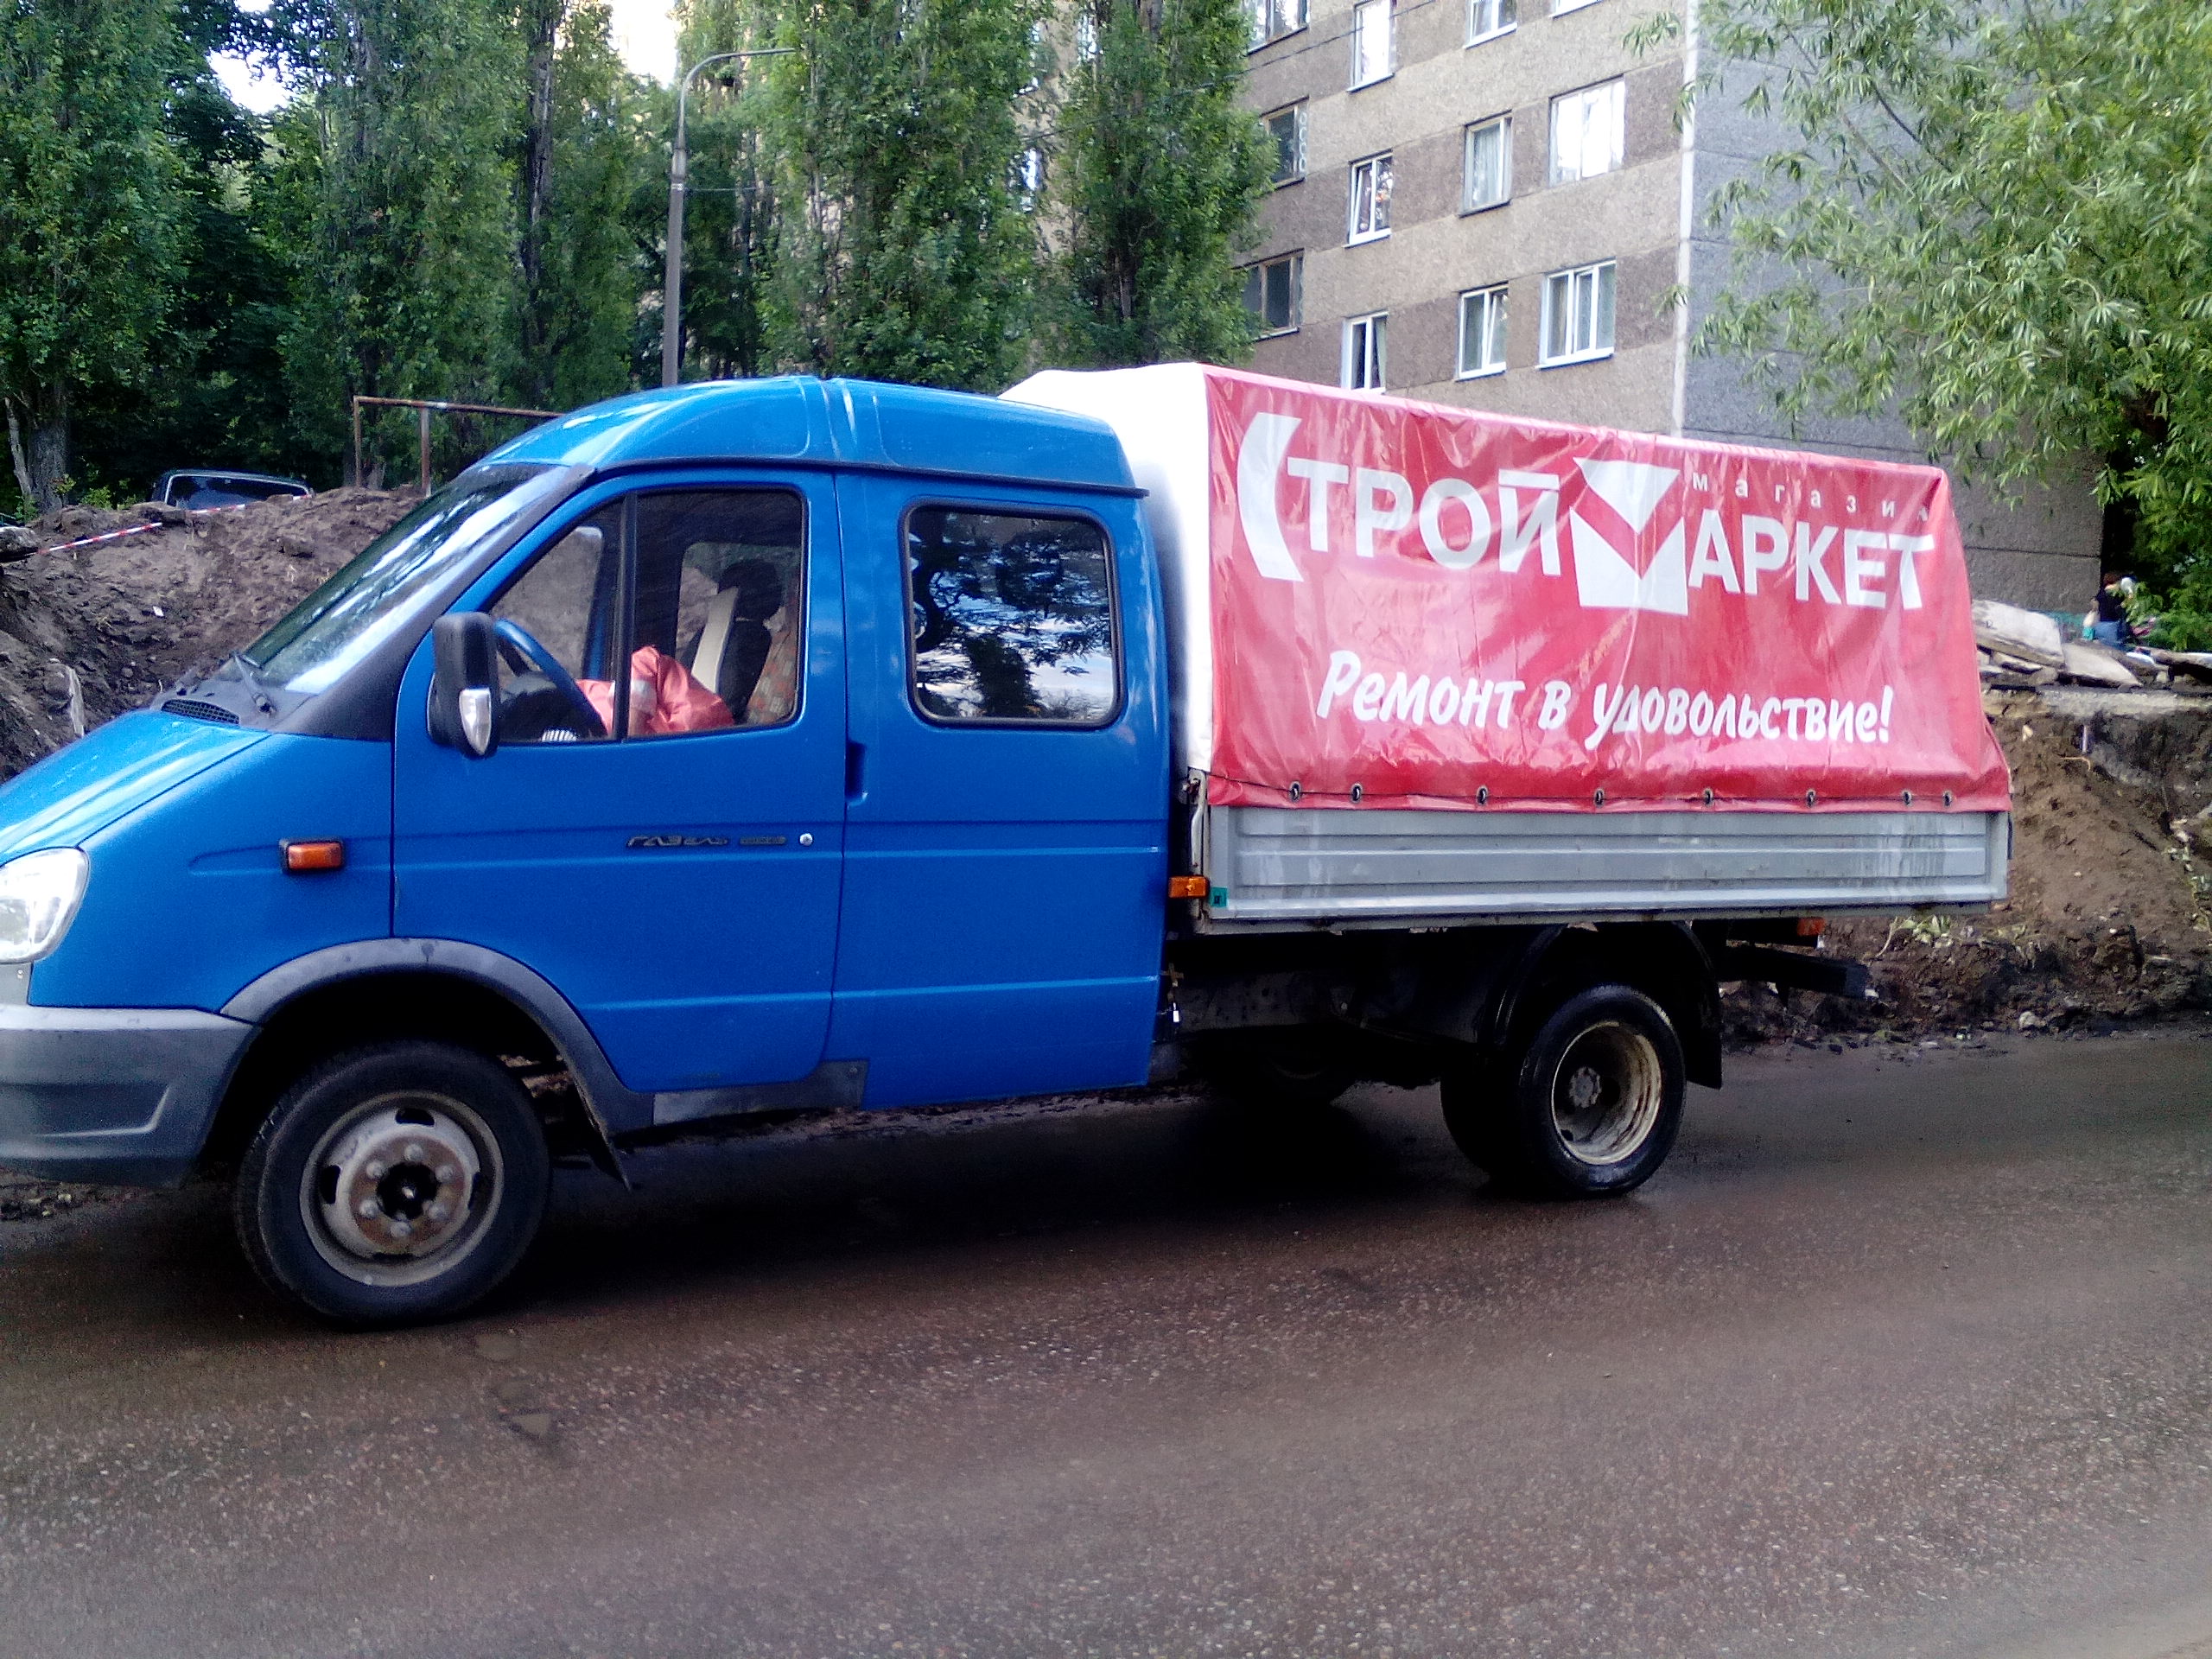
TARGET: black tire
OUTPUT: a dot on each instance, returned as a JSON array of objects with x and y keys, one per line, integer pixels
[
  {"x": 1588, "y": 1108},
  {"x": 1475, "y": 1092},
  {"x": 1291, "y": 1070},
  {"x": 393, "y": 1184}
]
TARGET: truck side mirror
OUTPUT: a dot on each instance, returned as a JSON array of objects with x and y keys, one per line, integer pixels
[{"x": 464, "y": 687}]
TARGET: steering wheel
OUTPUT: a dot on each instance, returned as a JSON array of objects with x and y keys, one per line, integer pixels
[{"x": 525, "y": 656}]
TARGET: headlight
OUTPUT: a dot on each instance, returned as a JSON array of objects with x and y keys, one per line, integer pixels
[{"x": 39, "y": 894}]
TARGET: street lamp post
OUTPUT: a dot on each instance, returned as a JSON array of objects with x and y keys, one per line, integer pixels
[{"x": 671, "y": 333}]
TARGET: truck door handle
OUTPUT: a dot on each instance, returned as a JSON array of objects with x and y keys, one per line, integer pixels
[{"x": 856, "y": 759}]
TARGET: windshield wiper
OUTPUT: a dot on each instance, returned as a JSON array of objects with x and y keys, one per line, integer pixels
[{"x": 250, "y": 675}]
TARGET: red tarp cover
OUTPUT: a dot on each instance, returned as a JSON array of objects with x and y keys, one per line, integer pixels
[{"x": 1436, "y": 607}]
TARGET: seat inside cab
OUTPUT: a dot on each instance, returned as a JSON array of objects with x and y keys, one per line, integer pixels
[
  {"x": 735, "y": 640},
  {"x": 720, "y": 588}
]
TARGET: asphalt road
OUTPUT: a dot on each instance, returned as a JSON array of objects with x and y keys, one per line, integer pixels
[{"x": 1896, "y": 1358}]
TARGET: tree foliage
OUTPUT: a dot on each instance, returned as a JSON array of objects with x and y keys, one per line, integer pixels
[
  {"x": 903, "y": 250},
  {"x": 406, "y": 273},
  {"x": 730, "y": 205},
  {"x": 91, "y": 215},
  {"x": 588, "y": 136},
  {"x": 1993, "y": 215},
  {"x": 1159, "y": 174},
  {"x": 464, "y": 200},
  {"x": 217, "y": 388}
]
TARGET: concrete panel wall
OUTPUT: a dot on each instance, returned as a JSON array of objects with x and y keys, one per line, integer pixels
[{"x": 1435, "y": 253}]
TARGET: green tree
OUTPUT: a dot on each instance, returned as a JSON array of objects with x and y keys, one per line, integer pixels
[
  {"x": 218, "y": 395},
  {"x": 586, "y": 139},
  {"x": 90, "y": 216},
  {"x": 1160, "y": 171},
  {"x": 536, "y": 241},
  {"x": 905, "y": 249},
  {"x": 400, "y": 155},
  {"x": 1995, "y": 218},
  {"x": 729, "y": 222}
]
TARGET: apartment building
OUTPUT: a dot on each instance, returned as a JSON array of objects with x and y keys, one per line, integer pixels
[{"x": 1485, "y": 202}]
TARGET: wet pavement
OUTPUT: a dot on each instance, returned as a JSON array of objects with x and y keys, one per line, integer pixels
[{"x": 1897, "y": 1357}]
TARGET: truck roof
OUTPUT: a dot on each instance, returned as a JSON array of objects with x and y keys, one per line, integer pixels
[{"x": 855, "y": 423}]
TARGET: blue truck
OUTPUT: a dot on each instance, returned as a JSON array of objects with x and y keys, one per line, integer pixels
[{"x": 785, "y": 746}]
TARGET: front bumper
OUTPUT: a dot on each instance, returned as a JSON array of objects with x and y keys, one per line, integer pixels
[{"x": 118, "y": 1094}]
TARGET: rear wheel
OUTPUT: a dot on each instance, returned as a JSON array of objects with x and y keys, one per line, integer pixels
[
  {"x": 1589, "y": 1106},
  {"x": 393, "y": 1184}
]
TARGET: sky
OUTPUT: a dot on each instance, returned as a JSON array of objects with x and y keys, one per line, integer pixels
[{"x": 645, "y": 33}]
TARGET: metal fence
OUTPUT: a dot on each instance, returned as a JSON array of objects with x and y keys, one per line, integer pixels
[{"x": 424, "y": 407}]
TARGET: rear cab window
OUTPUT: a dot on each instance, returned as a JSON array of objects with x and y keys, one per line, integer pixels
[{"x": 1011, "y": 617}]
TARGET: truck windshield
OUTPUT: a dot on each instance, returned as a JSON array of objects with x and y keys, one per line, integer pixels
[{"x": 373, "y": 596}]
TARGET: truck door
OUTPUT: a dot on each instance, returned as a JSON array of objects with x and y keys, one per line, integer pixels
[
  {"x": 1007, "y": 795},
  {"x": 662, "y": 844}
]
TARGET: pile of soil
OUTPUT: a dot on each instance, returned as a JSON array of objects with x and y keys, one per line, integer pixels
[
  {"x": 87, "y": 633},
  {"x": 2107, "y": 919}
]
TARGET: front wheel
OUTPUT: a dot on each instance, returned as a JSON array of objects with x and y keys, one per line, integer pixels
[
  {"x": 393, "y": 1184},
  {"x": 1589, "y": 1106}
]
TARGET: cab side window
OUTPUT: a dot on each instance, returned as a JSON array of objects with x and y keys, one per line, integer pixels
[
  {"x": 721, "y": 597},
  {"x": 1012, "y": 618},
  {"x": 558, "y": 624},
  {"x": 696, "y": 594}
]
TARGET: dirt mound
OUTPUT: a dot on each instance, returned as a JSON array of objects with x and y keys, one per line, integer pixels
[
  {"x": 88, "y": 631},
  {"x": 2107, "y": 919},
  {"x": 2159, "y": 741}
]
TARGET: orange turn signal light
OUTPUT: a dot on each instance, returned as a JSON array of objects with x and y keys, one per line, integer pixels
[
  {"x": 307, "y": 857},
  {"x": 1186, "y": 886},
  {"x": 1811, "y": 927}
]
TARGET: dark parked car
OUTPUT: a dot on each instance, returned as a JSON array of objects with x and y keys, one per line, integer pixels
[{"x": 198, "y": 490}]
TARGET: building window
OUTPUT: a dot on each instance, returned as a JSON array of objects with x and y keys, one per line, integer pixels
[
  {"x": 1271, "y": 20},
  {"x": 1589, "y": 132},
  {"x": 1086, "y": 36},
  {"x": 1027, "y": 179},
  {"x": 1486, "y": 19},
  {"x": 1040, "y": 57},
  {"x": 1490, "y": 165},
  {"x": 1287, "y": 132},
  {"x": 1482, "y": 333},
  {"x": 1271, "y": 293},
  {"x": 1371, "y": 199},
  {"x": 1365, "y": 340},
  {"x": 1370, "y": 40},
  {"x": 1578, "y": 313}
]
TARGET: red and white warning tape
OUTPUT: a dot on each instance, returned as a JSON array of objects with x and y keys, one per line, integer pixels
[{"x": 131, "y": 529}]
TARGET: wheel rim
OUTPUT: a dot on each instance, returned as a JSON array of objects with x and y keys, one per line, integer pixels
[
  {"x": 402, "y": 1188},
  {"x": 1607, "y": 1094}
]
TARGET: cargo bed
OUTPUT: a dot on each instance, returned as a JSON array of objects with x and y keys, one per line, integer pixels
[
  {"x": 1439, "y": 665},
  {"x": 1277, "y": 867}
]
